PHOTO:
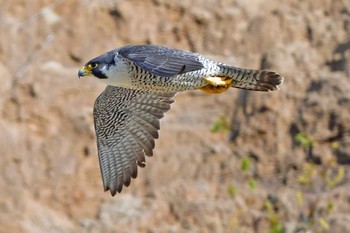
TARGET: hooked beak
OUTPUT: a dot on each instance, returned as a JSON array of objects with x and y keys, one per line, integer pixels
[{"x": 83, "y": 72}]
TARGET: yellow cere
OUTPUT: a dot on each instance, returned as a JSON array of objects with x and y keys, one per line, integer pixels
[{"x": 87, "y": 69}]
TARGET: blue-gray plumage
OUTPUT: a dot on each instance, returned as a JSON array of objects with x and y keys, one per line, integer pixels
[
  {"x": 162, "y": 61},
  {"x": 142, "y": 81}
]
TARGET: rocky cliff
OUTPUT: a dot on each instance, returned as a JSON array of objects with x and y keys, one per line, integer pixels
[{"x": 235, "y": 162}]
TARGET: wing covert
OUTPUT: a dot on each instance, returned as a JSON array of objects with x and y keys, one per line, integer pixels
[{"x": 162, "y": 61}]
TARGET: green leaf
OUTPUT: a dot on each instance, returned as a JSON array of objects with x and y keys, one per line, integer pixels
[
  {"x": 215, "y": 127},
  {"x": 330, "y": 206},
  {"x": 300, "y": 198},
  {"x": 232, "y": 191},
  {"x": 309, "y": 171},
  {"x": 277, "y": 228},
  {"x": 324, "y": 224},
  {"x": 335, "y": 145},
  {"x": 221, "y": 124},
  {"x": 245, "y": 164},
  {"x": 252, "y": 184},
  {"x": 337, "y": 179},
  {"x": 304, "y": 140}
]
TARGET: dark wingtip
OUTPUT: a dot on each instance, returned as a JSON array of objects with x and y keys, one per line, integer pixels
[
  {"x": 112, "y": 191},
  {"x": 127, "y": 182}
]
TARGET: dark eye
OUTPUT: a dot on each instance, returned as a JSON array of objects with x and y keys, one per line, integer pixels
[{"x": 92, "y": 66}]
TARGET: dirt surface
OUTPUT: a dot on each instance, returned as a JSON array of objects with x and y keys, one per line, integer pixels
[{"x": 235, "y": 162}]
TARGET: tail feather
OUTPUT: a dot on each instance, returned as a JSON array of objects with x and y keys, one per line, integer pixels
[{"x": 256, "y": 80}]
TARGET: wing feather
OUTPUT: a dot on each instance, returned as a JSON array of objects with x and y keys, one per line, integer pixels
[
  {"x": 162, "y": 61},
  {"x": 126, "y": 124},
  {"x": 138, "y": 153},
  {"x": 147, "y": 126},
  {"x": 143, "y": 141},
  {"x": 150, "y": 118}
]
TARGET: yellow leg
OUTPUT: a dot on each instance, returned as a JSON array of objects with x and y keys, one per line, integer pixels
[{"x": 216, "y": 85}]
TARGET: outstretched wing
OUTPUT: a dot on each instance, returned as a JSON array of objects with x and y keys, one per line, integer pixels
[
  {"x": 126, "y": 124},
  {"x": 162, "y": 61}
]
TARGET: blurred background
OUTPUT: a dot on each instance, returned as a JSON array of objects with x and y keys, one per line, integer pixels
[{"x": 236, "y": 162}]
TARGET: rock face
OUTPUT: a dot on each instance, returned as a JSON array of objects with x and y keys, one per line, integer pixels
[{"x": 285, "y": 168}]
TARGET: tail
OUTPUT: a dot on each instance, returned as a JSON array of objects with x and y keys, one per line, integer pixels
[{"x": 256, "y": 80}]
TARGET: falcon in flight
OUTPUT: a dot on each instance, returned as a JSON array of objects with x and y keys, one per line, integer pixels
[{"x": 141, "y": 83}]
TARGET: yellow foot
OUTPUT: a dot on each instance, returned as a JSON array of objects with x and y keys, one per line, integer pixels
[{"x": 216, "y": 85}]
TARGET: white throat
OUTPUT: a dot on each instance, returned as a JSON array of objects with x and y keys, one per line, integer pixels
[{"x": 118, "y": 74}]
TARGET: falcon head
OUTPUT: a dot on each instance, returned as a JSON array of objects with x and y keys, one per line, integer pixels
[{"x": 98, "y": 66}]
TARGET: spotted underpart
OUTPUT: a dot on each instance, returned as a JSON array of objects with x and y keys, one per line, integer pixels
[{"x": 142, "y": 81}]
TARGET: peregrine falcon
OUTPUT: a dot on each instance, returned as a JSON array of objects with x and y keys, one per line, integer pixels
[{"x": 141, "y": 83}]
